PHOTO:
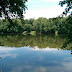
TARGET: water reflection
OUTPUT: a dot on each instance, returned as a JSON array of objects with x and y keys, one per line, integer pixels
[
  {"x": 41, "y": 53},
  {"x": 71, "y": 51},
  {"x": 0, "y": 57},
  {"x": 5, "y": 52},
  {"x": 28, "y": 59},
  {"x": 42, "y": 41},
  {"x": 44, "y": 49}
]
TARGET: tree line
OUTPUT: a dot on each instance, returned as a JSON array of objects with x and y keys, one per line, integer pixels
[{"x": 61, "y": 25}]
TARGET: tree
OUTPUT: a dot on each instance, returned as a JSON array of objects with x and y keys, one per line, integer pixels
[
  {"x": 68, "y": 7},
  {"x": 4, "y": 25},
  {"x": 10, "y": 8},
  {"x": 28, "y": 27},
  {"x": 68, "y": 27},
  {"x": 36, "y": 26}
]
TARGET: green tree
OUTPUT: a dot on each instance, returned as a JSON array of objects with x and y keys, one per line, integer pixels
[
  {"x": 17, "y": 26},
  {"x": 4, "y": 25},
  {"x": 68, "y": 7},
  {"x": 12, "y": 7},
  {"x": 27, "y": 27},
  {"x": 43, "y": 24},
  {"x": 31, "y": 21},
  {"x": 50, "y": 25},
  {"x": 36, "y": 26}
]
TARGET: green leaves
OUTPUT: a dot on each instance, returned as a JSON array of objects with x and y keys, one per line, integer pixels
[
  {"x": 14, "y": 7},
  {"x": 68, "y": 6},
  {"x": 28, "y": 27}
]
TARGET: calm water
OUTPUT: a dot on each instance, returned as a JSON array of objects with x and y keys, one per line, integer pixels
[{"x": 40, "y": 53}]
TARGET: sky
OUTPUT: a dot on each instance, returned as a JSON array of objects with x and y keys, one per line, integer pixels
[{"x": 43, "y": 8}]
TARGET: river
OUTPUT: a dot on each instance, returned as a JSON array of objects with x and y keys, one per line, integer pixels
[{"x": 34, "y": 53}]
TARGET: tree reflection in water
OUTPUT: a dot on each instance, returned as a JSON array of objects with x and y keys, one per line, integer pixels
[
  {"x": 71, "y": 51},
  {"x": 42, "y": 41}
]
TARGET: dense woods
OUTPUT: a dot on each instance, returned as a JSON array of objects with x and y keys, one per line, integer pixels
[{"x": 60, "y": 25}]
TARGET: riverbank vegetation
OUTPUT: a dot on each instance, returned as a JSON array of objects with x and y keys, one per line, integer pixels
[{"x": 59, "y": 25}]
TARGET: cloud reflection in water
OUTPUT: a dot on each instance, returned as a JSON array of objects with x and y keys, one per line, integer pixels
[{"x": 29, "y": 59}]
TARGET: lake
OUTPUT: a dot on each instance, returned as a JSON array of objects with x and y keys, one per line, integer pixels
[{"x": 34, "y": 53}]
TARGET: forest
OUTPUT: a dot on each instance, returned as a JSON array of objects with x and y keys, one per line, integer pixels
[{"x": 59, "y": 25}]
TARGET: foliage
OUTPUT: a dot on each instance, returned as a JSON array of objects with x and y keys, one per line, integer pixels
[
  {"x": 68, "y": 27},
  {"x": 68, "y": 7},
  {"x": 6, "y": 27},
  {"x": 12, "y": 7},
  {"x": 27, "y": 27},
  {"x": 36, "y": 25},
  {"x": 25, "y": 32},
  {"x": 33, "y": 32},
  {"x": 60, "y": 25},
  {"x": 68, "y": 23}
]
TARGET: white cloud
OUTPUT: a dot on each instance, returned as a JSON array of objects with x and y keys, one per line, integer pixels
[
  {"x": 32, "y": 1},
  {"x": 6, "y": 55},
  {"x": 6, "y": 49},
  {"x": 51, "y": 0},
  {"x": 48, "y": 12},
  {"x": 44, "y": 49}
]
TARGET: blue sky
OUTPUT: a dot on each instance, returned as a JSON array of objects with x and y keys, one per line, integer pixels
[
  {"x": 37, "y": 4},
  {"x": 43, "y": 8}
]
